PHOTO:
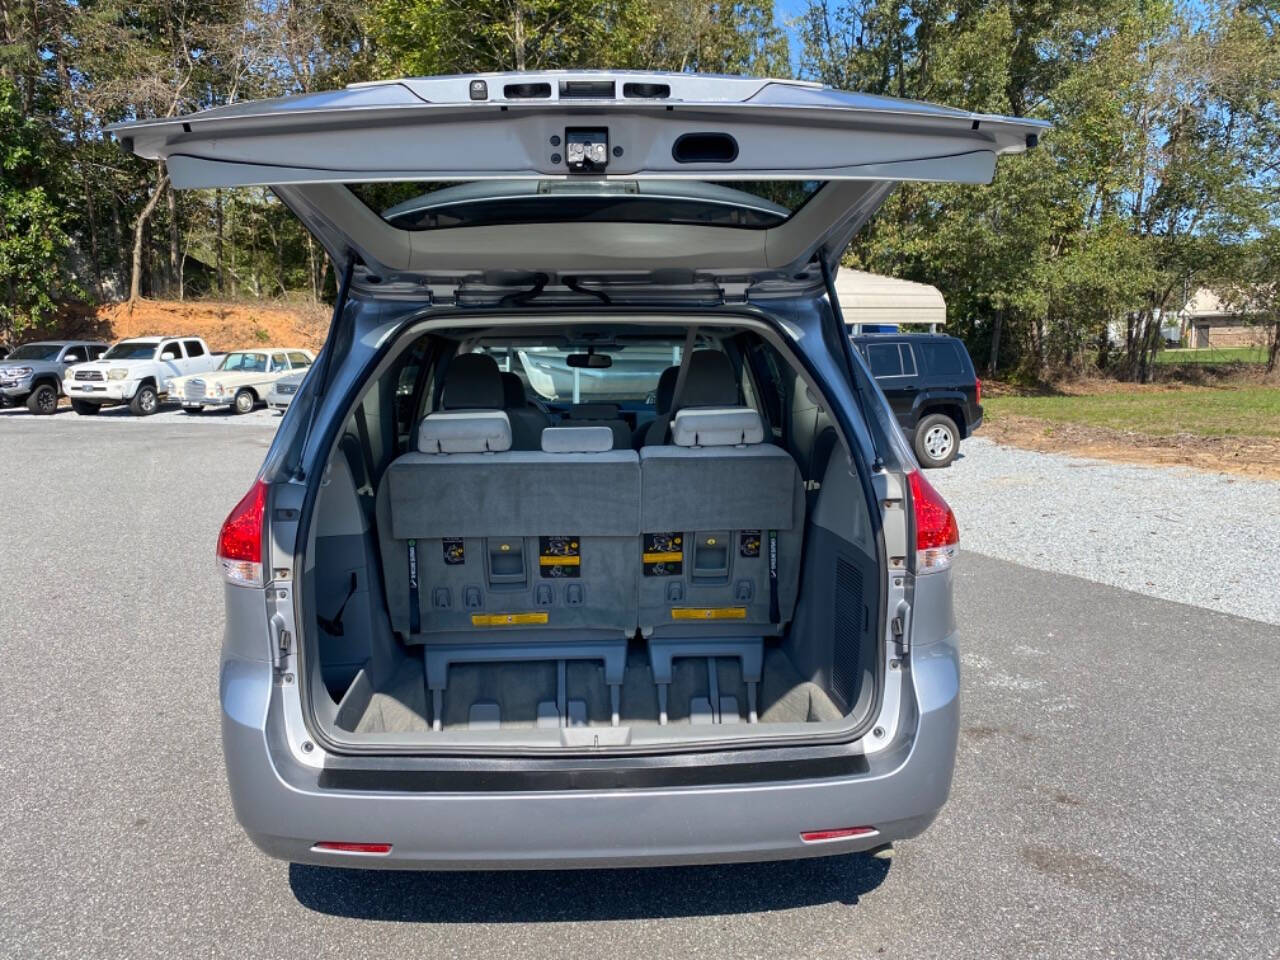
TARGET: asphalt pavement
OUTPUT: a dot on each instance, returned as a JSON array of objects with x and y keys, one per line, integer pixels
[{"x": 1117, "y": 791}]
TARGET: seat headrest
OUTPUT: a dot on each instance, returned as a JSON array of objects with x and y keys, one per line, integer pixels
[
  {"x": 470, "y": 431},
  {"x": 577, "y": 439},
  {"x": 593, "y": 411},
  {"x": 472, "y": 382},
  {"x": 666, "y": 390},
  {"x": 513, "y": 396},
  {"x": 717, "y": 427},
  {"x": 710, "y": 381}
]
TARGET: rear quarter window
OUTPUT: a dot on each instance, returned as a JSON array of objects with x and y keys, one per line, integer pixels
[
  {"x": 884, "y": 359},
  {"x": 942, "y": 359}
]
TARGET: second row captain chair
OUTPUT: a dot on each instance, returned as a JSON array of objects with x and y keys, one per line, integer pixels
[
  {"x": 527, "y": 421},
  {"x": 709, "y": 382}
]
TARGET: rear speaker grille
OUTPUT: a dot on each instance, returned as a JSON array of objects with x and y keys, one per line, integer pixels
[{"x": 847, "y": 632}]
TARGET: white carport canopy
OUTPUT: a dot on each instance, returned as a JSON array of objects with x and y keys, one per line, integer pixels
[{"x": 866, "y": 298}]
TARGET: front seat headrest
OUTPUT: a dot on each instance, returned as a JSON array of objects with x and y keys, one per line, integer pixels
[
  {"x": 666, "y": 390},
  {"x": 472, "y": 382},
  {"x": 710, "y": 381},
  {"x": 513, "y": 396}
]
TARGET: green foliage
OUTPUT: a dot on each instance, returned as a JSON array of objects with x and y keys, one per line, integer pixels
[
  {"x": 1158, "y": 171},
  {"x": 424, "y": 37},
  {"x": 33, "y": 241},
  {"x": 1159, "y": 175},
  {"x": 1207, "y": 412}
]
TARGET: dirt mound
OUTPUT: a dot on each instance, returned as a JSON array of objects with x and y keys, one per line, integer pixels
[
  {"x": 223, "y": 325},
  {"x": 1246, "y": 456}
]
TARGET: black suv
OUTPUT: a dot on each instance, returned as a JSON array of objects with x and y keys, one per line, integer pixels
[{"x": 931, "y": 385}]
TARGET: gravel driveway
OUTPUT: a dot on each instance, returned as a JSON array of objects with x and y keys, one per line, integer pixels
[
  {"x": 1105, "y": 804},
  {"x": 1206, "y": 539}
]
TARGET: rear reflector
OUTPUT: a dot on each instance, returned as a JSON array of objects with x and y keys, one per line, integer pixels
[
  {"x": 240, "y": 540},
  {"x": 840, "y": 833},
  {"x": 978, "y": 398},
  {"x": 937, "y": 533},
  {"x": 337, "y": 846}
]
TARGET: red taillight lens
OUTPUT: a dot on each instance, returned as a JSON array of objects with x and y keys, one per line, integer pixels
[
  {"x": 840, "y": 833},
  {"x": 979, "y": 397},
  {"x": 240, "y": 540},
  {"x": 337, "y": 846},
  {"x": 937, "y": 534}
]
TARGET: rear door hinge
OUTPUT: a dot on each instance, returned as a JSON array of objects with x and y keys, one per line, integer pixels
[{"x": 733, "y": 291}]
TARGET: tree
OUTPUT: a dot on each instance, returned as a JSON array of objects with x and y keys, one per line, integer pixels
[
  {"x": 1254, "y": 292},
  {"x": 1160, "y": 164},
  {"x": 34, "y": 246},
  {"x": 424, "y": 37}
]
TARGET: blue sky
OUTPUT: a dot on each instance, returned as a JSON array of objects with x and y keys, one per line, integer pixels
[{"x": 785, "y": 10}]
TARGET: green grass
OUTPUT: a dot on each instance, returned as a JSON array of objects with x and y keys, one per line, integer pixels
[
  {"x": 1213, "y": 355},
  {"x": 1243, "y": 412}
]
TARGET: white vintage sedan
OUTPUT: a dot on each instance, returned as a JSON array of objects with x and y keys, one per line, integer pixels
[{"x": 241, "y": 381}]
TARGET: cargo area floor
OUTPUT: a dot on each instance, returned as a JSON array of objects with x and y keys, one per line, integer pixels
[{"x": 527, "y": 695}]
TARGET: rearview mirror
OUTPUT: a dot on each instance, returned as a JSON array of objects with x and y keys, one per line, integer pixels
[{"x": 592, "y": 361}]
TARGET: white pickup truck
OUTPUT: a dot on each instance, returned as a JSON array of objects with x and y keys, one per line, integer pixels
[{"x": 135, "y": 372}]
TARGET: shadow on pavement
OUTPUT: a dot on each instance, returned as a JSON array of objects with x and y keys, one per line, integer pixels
[{"x": 575, "y": 896}]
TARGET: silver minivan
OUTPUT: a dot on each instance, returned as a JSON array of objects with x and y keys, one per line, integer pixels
[{"x": 588, "y": 540}]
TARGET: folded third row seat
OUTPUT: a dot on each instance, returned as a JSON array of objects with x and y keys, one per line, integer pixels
[
  {"x": 563, "y": 553},
  {"x": 722, "y": 514}
]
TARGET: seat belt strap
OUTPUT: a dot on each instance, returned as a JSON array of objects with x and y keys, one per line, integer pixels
[
  {"x": 415, "y": 612},
  {"x": 366, "y": 449},
  {"x": 690, "y": 339},
  {"x": 775, "y": 611}
]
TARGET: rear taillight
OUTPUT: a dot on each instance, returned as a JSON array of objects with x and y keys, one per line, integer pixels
[
  {"x": 240, "y": 540},
  {"x": 937, "y": 534},
  {"x": 978, "y": 399}
]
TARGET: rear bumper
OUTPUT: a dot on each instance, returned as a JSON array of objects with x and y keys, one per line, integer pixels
[{"x": 285, "y": 810}]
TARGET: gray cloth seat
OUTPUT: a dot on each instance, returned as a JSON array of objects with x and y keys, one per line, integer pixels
[
  {"x": 709, "y": 382},
  {"x": 600, "y": 415},
  {"x": 472, "y": 381},
  {"x": 716, "y": 504},
  {"x": 663, "y": 394},
  {"x": 527, "y": 421}
]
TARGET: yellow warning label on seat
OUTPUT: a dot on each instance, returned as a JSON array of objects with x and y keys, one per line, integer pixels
[
  {"x": 506, "y": 619},
  {"x": 708, "y": 613},
  {"x": 668, "y": 556},
  {"x": 560, "y": 561}
]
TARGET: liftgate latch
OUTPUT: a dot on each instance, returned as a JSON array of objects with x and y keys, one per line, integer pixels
[{"x": 898, "y": 627}]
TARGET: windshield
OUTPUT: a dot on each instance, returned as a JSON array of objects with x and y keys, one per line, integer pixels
[
  {"x": 432, "y": 206},
  {"x": 131, "y": 350},
  {"x": 244, "y": 363},
  {"x": 36, "y": 351}
]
